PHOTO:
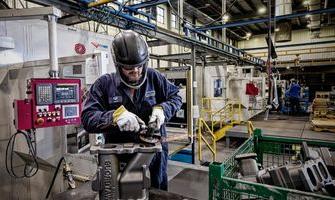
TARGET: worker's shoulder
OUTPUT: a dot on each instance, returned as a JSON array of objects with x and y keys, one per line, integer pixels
[
  {"x": 104, "y": 78},
  {"x": 154, "y": 73},
  {"x": 108, "y": 79}
]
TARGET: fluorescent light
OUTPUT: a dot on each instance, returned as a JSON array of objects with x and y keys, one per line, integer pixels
[
  {"x": 225, "y": 18},
  {"x": 277, "y": 29},
  {"x": 262, "y": 10},
  {"x": 306, "y": 3}
]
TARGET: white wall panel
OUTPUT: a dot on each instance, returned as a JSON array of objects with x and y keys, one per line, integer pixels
[{"x": 31, "y": 41}]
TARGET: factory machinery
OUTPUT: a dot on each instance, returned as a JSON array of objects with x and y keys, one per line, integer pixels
[
  {"x": 47, "y": 110},
  {"x": 235, "y": 95}
]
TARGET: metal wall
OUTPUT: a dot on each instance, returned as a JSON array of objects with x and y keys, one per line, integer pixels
[
  {"x": 298, "y": 37},
  {"x": 31, "y": 41},
  {"x": 306, "y": 52}
]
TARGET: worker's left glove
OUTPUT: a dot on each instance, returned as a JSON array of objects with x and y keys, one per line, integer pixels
[{"x": 157, "y": 116}]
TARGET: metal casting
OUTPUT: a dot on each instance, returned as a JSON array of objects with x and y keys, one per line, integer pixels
[{"x": 123, "y": 170}]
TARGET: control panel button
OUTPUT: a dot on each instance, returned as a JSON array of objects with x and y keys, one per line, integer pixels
[{"x": 40, "y": 121}]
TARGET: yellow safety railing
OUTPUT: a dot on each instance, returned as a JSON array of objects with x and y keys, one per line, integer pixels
[
  {"x": 250, "y": 127},
  {"x": 212, "y": 148},
  {"x": 222, "y": 118}
]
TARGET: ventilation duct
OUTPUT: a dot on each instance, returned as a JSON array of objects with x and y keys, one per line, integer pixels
[
  {"x": 315, "y": 20},
  {"x": 284, "y": 27}
]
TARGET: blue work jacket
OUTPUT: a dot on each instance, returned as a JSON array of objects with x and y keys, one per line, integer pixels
[
  {"x": 108, "y": 93},
  {"x": 294, "y": 90}
]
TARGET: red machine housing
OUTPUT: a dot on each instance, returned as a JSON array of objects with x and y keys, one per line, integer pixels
[{"x": 51, "y": 102}]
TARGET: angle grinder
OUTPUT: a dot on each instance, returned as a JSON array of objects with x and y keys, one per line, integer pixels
[{"x": 150, "y": 134}]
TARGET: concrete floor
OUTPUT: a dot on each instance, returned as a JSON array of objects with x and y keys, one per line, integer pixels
[{"x": 285, "y": 126}]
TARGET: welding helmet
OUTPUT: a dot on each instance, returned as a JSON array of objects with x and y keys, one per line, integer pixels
[{"x": 130, "y": 50}]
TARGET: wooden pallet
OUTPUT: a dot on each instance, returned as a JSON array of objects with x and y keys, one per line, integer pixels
[
  {"x": 323, "y": 125},
  {"x": 323, "y": 129},
  {"x": 330, "y": 116}
]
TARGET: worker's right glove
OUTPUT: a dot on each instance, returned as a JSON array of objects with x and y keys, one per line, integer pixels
[{"x": 127, "y": 121}]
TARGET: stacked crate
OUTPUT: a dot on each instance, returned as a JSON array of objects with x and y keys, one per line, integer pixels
[{"x": 323, "y": 112}]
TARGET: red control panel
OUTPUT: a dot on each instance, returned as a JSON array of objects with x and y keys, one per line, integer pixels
[{"x": 51, "y": 102}]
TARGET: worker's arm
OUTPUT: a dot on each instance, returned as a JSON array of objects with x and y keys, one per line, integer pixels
[
  {"x": 171, "y": 102},
  {"x": 95, "y": 116}
]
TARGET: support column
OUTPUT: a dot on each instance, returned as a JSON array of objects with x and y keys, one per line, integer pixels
[
  {"x": 181, "y": 22},
  {"x": 269, "y": 53},
  {"x": 224, "y": 10},
  {"x": 194, "y": 102}
]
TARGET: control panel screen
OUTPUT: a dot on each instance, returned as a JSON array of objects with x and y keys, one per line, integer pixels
[
  {"x": 44, "y": 94},
  {"x": 70, "y": 111},
  {"x": 66, "y": 93}
]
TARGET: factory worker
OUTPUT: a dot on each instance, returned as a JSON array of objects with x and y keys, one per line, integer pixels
[{"x": 119, "y": 104}]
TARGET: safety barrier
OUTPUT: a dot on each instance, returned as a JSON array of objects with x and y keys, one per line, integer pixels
[{"x": 217, "y": 124}]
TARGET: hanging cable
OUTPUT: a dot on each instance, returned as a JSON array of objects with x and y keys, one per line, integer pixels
[
  {"x": 54, "y": 177},
  {"x": 28, "y": 170}
]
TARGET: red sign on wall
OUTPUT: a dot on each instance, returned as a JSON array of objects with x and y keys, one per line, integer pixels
[{"x": 80, "y": 48}]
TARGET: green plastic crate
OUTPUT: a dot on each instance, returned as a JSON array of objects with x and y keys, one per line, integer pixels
[{"x": 270, "y": 151}]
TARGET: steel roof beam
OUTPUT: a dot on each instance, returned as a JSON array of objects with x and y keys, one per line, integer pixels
[
  {"x": 125, "y": 21},
  {"x": 148, "y": 4},
  {"x": 155, "y": 43},
  {"x": 29, "y": 13},
  {"x": 263, "y": 20},
  {"x": 251, "y": 5}
]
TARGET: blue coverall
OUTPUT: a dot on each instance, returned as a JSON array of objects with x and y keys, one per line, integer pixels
[
  {"x": 294, "y": 96},
  {"x": 108, "y": 93}
]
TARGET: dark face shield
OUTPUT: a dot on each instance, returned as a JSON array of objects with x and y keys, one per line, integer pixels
[{"x": 130, "y": 68}]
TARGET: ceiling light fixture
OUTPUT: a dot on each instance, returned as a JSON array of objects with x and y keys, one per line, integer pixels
[
  {"x": 225, "y": 18},
  {"x": 306, "y": 3},
  {"x": 205, "y": 6},
  {"x": 262, "y": 10}
]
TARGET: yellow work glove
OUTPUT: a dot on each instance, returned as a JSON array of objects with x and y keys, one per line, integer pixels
[
  {"x": 127, "y": 121},
  {"x": 157, "y": 116}
]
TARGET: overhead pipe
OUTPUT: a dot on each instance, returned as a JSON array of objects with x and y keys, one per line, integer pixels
[
  {"x": 120, "y": 14},
  {"x": 52, "y": 32},
  {"x": 315, "y": 20},
  {"x": 98, "y": 3}
]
